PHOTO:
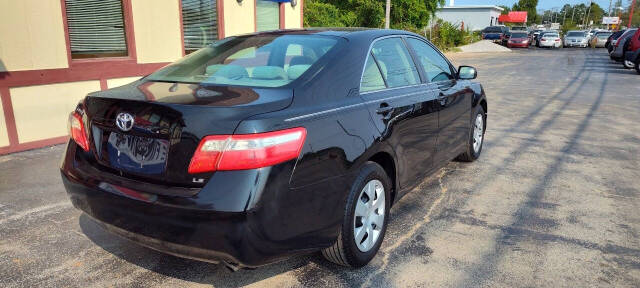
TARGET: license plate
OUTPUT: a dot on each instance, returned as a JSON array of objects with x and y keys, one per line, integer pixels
[{"x": 137, "y": 154}]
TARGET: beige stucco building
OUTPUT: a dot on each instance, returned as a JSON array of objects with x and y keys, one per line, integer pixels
[{"x": 54, "y": 52}]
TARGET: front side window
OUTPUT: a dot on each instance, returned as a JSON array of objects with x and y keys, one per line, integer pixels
[
  {"x": 395, "y": 62},
  {"x": 435, "y": 66},
  {"x": 255, "y": 61},
  {"x": 267, "y": 15},
  {"x": 96, "y": 28},
  {"x": 199, "y": 23}
]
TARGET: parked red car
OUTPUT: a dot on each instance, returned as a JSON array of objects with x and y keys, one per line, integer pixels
[
  {"x": 632, "y": 52},
  {"x": 518, "y": 39}
]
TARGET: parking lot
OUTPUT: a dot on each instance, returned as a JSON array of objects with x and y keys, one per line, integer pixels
[{"x": 553, "y": 200}]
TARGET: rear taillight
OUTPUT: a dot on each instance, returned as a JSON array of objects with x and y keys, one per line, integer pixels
[
  {"x": 557, "y": 40},
  {"x": 247, "y": 151},
  {"x": 78, "y": 131}
]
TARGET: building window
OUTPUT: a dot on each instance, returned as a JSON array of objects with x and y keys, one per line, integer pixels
[
  {"x": 199, "y": 23},
  {"x": 96, "y": 28},
  {"x": 267, "y": 15}
]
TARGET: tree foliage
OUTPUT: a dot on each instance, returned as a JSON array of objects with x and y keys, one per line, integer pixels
[
  {"x": 530, "y": 7},
  {"x": 405, "y": 14},
  {"x": 635, "y": 22},
  {"x": 505, "y": 9}
]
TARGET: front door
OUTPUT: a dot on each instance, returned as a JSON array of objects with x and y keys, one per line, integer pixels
[{"x": 454, "y": 100}]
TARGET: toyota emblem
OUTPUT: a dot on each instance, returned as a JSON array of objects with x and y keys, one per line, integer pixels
[{"x": 124, "y": 121}]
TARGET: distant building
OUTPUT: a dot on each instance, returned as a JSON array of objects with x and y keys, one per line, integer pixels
[{"x": 475, "y": 17}]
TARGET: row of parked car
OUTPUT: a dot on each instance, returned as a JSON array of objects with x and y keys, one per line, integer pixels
[
  {"x": 521, "y": 37},
  {"x": 624, "y": 47}
]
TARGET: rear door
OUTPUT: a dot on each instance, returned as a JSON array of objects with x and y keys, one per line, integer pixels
[
  {"x": 401, "y": 106},
  {"x": 454, "y": 99}
]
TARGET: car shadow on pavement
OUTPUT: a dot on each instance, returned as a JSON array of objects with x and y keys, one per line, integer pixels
[{"x": 185, "y": 269}]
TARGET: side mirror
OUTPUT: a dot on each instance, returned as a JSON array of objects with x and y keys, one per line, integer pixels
[{"x": 467, "y": 73}]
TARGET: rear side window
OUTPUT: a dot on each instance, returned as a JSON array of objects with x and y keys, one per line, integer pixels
[
  {"x": 434, "y": 65},
  {"x": 395, "y": 63},
  {"x": 371, "y": 78}
]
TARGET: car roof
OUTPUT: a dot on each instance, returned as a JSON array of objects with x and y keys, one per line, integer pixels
[{"x": 344, "y": 32}]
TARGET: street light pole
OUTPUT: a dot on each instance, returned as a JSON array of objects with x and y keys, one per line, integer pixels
[{"x": 387, "y": 15}]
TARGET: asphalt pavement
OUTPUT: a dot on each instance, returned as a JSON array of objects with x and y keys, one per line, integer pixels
[{"x": 553, "y": 201}]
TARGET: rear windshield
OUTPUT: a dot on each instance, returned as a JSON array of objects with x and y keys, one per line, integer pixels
[
  {"x": 550, "y": 35},
  {"x": 494, "y": 29},
  {"x": 603, "y": 35},
  {"x": 256, "y": 61},
  {"x": 576, "y": 34},
  {"x": 519, "y": 35}
]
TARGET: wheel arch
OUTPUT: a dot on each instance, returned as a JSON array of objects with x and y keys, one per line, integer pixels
[{"x": 387, "y": 162}]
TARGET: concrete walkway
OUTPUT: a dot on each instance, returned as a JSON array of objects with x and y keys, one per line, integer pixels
[{"x": 484, "y": 46}]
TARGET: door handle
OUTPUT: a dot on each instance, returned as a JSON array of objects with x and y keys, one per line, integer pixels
[
  {"x": 384, "y": 109},
  {"x": 442, "y": 98}
]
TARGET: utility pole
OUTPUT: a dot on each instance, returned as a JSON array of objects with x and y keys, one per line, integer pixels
[
  {"x": 609, "y": 14},
  {"x": 387, "y": 15},
  {"x": 633, "y": 4},
  {"x": 586, "y": 20}
]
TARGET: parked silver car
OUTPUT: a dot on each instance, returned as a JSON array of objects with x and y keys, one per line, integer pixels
[
  {"x": 600, "y": 39},
  {"x": 576, "y": 39},
  {"x": 551, "y": 40}
]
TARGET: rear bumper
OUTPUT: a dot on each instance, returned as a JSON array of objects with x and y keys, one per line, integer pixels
[
  {"x": 552, "y": 44},
  {"x": 248, "y": 219},
  {"x": 201, "y": 235},
  {"x": 518, "y": 45},
  {"x": 581, "y": 45}
]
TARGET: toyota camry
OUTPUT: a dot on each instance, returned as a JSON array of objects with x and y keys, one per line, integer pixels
[{"x": 263, "y": 146}]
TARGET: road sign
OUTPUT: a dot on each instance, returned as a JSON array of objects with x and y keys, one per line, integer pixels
[{"x": 610, "y": 20}]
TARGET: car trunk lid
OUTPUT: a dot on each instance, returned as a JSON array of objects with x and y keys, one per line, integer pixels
[{"x": 149, "y": 130}]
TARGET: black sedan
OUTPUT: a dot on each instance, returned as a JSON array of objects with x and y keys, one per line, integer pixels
[{"x": 263, "y": 146}]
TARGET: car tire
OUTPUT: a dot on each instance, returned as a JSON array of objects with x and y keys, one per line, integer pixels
[
  {"x": 346, "y": 251},
  {"x": 476, "y": 135},
  {"x": 637, "y": 66},
  {"x": 628, "y": 64}
]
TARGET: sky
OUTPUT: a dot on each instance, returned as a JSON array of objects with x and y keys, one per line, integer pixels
[{"x": 542, "y": 4}]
